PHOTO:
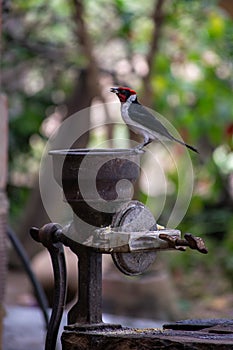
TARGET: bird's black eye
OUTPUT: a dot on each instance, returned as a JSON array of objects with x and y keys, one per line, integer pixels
[{"x": 125, "y": 92}]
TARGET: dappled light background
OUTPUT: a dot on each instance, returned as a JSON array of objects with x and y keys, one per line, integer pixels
[{"x": 59, "y": 57}]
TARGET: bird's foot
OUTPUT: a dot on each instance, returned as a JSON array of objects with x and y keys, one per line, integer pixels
[{"x": 138, "y": 148}]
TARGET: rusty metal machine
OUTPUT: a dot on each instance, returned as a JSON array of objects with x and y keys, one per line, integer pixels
[{"x": 105, "y": 221}]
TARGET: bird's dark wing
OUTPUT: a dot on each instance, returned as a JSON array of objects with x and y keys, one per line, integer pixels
[{"x": 138, "y": 113}]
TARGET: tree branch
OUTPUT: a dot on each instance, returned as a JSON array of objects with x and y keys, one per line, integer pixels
[
  {"x": 85, "y": 42},
  {"x": 158, "y": 19}
]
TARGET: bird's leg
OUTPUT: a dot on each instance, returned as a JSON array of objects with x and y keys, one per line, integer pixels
[
  {"x": 145, "y": 142},
  {"x": 139, "y": 147}
]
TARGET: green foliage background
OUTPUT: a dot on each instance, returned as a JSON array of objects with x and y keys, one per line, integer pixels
[{"x": 191, "y": 77}]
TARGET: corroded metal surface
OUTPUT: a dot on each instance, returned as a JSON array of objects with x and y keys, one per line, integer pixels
[
  {"x": 108, "y": 239},
  {"x": 144, "y": 339},
  {"x": 189, "y": 240},
  {"x": 198, "y": 324},
  {"x": 97, "y": 184},
  {"x": 88, "y": 309},
  {"x": 135, "y": 216},
  {"x": 90, "y": 179}
]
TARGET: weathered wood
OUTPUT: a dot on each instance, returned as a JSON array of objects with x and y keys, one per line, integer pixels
[
  {"x": 3, "y": 202},
  {"x": 3, "y": 141},
  {"x": 139, "y": 339}
]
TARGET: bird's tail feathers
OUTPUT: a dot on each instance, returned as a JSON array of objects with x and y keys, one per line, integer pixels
[
  {"x": 188, "y": 146},
  {"x": 192, "y": 148}
]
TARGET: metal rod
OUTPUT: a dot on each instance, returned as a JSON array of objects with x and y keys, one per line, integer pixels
[
  {"x": 59, "y": 267},
  {"x": 47, "y": 236},
  {"x": 38, "y": 290},
  {"x": 88, "y": 309}
]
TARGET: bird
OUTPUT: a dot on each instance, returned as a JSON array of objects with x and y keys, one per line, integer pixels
[{"x": 141, "y": 121}]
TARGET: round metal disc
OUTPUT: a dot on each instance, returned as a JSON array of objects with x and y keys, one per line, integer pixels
[{"x": 134, "y": 217}]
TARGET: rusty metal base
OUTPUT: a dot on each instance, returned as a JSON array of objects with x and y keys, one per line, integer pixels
[
  {"x": 93, "y": 327},
  {"x": 208, "y": 334}
]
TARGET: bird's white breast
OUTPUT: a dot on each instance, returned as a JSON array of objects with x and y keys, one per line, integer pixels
[{"x": 134, "y": 126}]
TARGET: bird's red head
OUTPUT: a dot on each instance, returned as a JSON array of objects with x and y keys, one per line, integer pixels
[{"x": 123, "y": 93}]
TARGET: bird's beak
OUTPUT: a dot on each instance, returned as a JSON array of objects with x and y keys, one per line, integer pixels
[{"x": 114, "y": 90}]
